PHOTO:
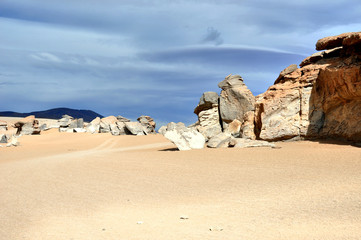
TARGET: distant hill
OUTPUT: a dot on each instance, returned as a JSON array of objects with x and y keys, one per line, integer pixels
[{"x": 56, "y": 113}]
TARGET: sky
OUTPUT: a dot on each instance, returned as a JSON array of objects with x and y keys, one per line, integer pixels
[{"x": 156, "y": 58}]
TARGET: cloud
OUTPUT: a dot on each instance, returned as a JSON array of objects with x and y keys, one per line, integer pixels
[
  {"x": 47, "y": 57},
  {"x": 213, "y": 36}
]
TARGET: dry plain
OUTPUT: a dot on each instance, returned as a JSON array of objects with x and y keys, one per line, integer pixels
[{"x": 83, "y": 186}]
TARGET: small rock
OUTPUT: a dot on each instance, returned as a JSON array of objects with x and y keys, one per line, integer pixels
[
  {"x": 184, "y": 217},
  {"x": 215, "y": 229},
  {"x": 3, "y": 138},
  {"x": 140, "y": 222}
]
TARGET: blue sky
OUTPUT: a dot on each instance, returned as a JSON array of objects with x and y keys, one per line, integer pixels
[{"x": 153, "y": 57}]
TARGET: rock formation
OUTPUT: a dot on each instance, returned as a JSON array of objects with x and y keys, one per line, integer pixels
[
  {"x": 147, "y": 123},
  {"x": 235, "y": 99},
  {"x": 69, "y": 124},
  {"x": 122, "y": 126},
  {"x": 321, "y": 99},
  {"x": 27, "y": 126}
]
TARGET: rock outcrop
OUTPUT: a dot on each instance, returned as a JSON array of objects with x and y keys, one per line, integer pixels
[
  {"x": 321, "y": 99},
  {"x": 184, "y": 138}
]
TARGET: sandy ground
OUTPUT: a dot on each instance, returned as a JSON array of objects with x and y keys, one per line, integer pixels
[{"x": 81, "y": 186}]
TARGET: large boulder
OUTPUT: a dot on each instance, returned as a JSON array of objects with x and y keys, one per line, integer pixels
[
  {"x": 106, "y": 122},
  {"x": 148, "y": 123},
  {"x": 184, "y": 138},
  {"x": 208, "y": 115},
  {"x": 235, "y": 99},
  {"x": 27, "y": 126}
]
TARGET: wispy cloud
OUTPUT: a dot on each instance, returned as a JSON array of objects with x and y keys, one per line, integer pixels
[{"x": 46, "y": 57}]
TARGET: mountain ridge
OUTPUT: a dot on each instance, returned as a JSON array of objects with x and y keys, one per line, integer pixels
[{"x": 56, "y": 113}]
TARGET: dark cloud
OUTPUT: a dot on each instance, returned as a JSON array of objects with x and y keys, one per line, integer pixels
[{"x": 213, "y": 36}]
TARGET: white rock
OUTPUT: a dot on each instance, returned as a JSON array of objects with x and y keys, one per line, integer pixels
[
  {"x": 184, "y": 138},
  {"x": 13, "y": 142}
]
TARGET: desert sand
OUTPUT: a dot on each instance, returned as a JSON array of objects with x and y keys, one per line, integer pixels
[{"x": 83, "y": 186}]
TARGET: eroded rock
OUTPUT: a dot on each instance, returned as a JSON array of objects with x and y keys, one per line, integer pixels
[{"x": 235, "y": 99}]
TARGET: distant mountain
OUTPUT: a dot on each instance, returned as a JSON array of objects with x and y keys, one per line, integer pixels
[{"x": 56, "y": 113}]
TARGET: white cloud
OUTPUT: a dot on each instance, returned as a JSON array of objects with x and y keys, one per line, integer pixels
[{"x": 47, "y": 57}]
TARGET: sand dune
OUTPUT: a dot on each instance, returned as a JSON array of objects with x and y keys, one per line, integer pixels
[{"x": 83, "y": 186}]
